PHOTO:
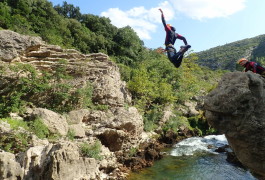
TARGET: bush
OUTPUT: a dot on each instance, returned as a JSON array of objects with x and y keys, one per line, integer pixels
[
  {"x": 14, "y": 143},
  {"x": 39, "y": 128},
  {"x": 51, "y": 91},
  {"x": 71, "y": 134},
  {"x": 175, "y": 122},
  {"x": 152, "y": 117},
  {"x": 15, "y": 124},
  {"x": 92, "y": 151},
  {"x": 200, "y": 123}
]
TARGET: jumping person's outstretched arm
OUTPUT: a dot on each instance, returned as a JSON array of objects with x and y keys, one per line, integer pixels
[{"x": 163, "y": 18}]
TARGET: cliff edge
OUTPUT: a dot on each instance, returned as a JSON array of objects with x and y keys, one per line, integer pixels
[{"x": 237, "y": 109}]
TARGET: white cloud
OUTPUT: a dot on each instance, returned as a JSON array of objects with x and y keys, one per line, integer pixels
[
  {"x": 143, "y": 21},
  {"x": 206, "y": 9}
]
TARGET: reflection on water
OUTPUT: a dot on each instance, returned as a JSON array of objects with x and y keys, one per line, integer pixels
[{"x": 201, "y": 166}]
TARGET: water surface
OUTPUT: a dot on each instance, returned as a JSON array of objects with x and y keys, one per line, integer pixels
[{"x": 191, "y": 159}]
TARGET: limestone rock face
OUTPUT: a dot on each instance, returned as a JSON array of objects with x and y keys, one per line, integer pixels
[
  {"x": 58, "y": 161},
  {"x": 9, "y": 168},
  {"x": 96, "y": 68},
  {"x": 66, "y": 163},
  {"x": 13, "y": 44},
  {"x": 119, "y": 127},
  {"x": 56, "y": 123},
  {"x": 237, "y": 109}
]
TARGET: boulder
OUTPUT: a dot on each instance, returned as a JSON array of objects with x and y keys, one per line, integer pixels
[
  {"x": 58, "y": 161},
  {"x": 78, "y": 130},
  {"x": 118, "y": 128},
  {"x": 77, "y": 116},
  {"x": 237, "y": 109},
  {"x": 56, "y": 123},
  {"x": 66, "y": 163},
  {"x": 9, "y": 168}
]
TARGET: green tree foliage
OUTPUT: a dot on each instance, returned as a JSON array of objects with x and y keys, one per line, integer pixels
[
  {"x": 66, "y": 26},
  {"x": 5, "y": 15},
  {"x": 153, "y": 81},
  {"x": 68, "y": 11},
  {"x": 226, "y": 56},
  {"x": 128, "y": 44}
]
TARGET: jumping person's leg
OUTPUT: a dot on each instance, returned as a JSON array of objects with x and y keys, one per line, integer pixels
[
  {"x": 176, "y": 57},
  {"x": 178, "y": 60},
  {"x": 171, "y": 52}
]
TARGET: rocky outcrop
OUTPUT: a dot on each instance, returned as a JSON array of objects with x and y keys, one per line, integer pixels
[
  {"x": 115, "y": 130},
  {"x": 118, "y": 128},
  {"x": 13, "y": 44},
  {"x": 9, "y": 168},
  {"x": 236, "y": 108},
  {"x": 56, "y": 123}
]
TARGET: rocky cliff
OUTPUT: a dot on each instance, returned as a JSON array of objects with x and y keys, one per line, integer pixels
[
  {"x": 236, "y": 108},
  {"x": 89, "y": 143},
  {"x": 118, "y": 128}
]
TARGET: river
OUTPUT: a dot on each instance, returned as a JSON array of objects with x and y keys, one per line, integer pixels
[{"x": 191, "y": 159}]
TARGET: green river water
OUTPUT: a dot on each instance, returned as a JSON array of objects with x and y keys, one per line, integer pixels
[{"x": 201, "y": 165}]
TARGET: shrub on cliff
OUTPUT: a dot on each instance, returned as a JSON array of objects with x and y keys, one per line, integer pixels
[
  {"x": 24, "y": 86},
  {"x": 91, "y": 150}
]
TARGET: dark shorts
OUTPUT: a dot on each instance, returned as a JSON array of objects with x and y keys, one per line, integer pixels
[{"x": 174, "y": 56}]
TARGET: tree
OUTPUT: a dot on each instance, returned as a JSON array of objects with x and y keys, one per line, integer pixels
[
  {"x": 128, "y": 43},
  {"x": 5, "y": 15},
  {"x": 68, "y": 11}
]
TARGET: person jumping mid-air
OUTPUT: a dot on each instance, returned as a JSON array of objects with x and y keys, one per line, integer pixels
[
  {"x": 252, "y": 66},
  {"x": 171, "y": 36}
]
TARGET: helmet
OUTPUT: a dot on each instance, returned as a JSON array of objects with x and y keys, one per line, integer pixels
[
  {"x": 171, "y": 27},
  {"x": 242, "y": 61}
]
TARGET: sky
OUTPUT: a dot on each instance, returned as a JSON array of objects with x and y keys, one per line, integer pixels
[{"x": 204, "y": 23}]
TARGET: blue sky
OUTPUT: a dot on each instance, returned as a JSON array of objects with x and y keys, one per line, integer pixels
[{"x": 204, "y": 23}]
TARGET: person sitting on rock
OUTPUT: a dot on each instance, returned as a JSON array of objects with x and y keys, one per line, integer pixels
[
  {"x": 252, "y": 66},
  {"x": 171, "y": 36}
]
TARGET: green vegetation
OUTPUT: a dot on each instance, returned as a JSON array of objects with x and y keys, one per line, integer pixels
[
  {"x": 66, "y": 26},
  {"x": 46, "y": 90},
  {"x": 92, "y": 151},
  {"x": 14, "y": 143},
  {"x": 152, "y": 80},
  {"x": 19, "y": 139},
  {"x": 39, "y": 128},
  {"x": 15, "y": 124},
  {"x": 71, "y": 134},
  {"x": 132, "y": 151},
  {"x": 155, "y": 83},
  {"x": 226, "y": 56},
  {"x": 199, "y": 122},
  {"x": 174, "y": 123}
]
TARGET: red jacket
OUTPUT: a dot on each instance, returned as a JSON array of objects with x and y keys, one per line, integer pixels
[
  {"x": 254, "y": 67},
  {"x": 171, "y": 36}
]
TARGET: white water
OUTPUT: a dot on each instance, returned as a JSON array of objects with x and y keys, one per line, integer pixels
[
  {"x": 191, "y": 159},
  {"x": 198, "y": 145}
]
